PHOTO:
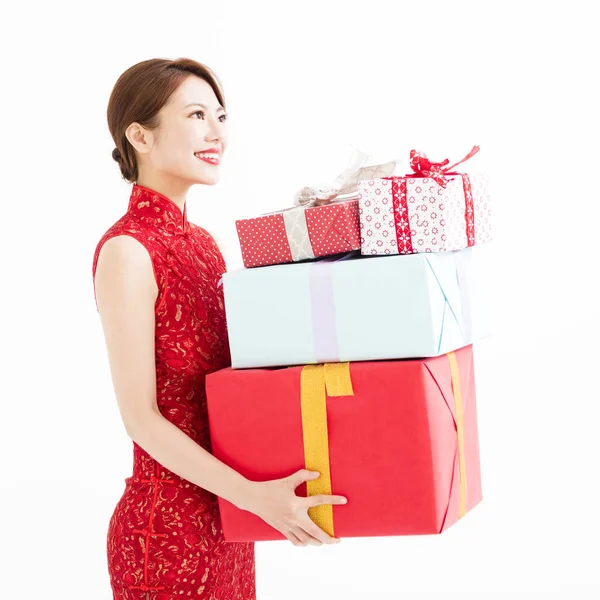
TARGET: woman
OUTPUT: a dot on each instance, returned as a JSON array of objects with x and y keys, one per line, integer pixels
[{"x": 156, "y": 282}]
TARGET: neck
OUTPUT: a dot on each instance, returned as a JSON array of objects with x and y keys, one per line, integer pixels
[{"x": 174, "y": 189}]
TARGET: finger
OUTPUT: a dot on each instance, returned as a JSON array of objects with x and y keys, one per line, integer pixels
[
  {"x": 305, "y": 537},
  {"x": 294, "y": 539},
  {"x": 312, "y": 529},
  {"x": 301, "y": 476},
  {"x": 319, "y": 499}
]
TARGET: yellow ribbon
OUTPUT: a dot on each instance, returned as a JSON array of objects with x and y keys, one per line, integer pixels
[
  {"x": 317, "y": 382},
  {"x": 458, "y": 409},
  {"x": 333, "y": 379}
]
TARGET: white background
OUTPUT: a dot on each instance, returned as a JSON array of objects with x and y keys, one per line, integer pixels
[{"x": 302, "y": 81}]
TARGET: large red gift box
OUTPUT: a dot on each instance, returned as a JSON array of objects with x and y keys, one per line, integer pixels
[
  {"x": 397, "y": 438},
  {"x": 299, "y": 233}
]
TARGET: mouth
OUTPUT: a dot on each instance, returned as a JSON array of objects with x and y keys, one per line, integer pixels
[{"x": 212, "y": 158}]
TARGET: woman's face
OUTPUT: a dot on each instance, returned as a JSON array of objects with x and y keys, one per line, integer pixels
[{"x": 191, "y": 122}]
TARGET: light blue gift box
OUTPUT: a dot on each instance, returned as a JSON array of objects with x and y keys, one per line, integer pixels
[{"x": 358, "y": 308}]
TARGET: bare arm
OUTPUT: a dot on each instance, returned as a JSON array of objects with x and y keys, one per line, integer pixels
[{"x": 126, "y": 293}]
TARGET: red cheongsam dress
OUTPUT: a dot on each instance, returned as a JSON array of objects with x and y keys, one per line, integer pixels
[{"x": 165, "y": 540}]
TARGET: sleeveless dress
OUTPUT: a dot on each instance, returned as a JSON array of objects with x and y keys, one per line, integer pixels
[{"x": 165, "y": 539}]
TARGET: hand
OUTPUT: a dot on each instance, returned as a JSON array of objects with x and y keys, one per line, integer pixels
[{"x": 276, "y": 503}]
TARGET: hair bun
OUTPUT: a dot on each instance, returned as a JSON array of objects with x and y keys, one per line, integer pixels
[{"x": 116, "y": 155}]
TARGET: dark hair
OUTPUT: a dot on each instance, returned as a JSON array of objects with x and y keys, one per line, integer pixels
[{"x": 140, "y": 92}]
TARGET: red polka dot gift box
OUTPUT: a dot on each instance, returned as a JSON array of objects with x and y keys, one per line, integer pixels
[
  {"x": 299, "y": 233},
  {"x": 324, "y": 221},
  {"x": 432, "y": 209}
]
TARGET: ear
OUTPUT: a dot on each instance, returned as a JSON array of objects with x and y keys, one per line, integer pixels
[{"x": 139, "y": 137}]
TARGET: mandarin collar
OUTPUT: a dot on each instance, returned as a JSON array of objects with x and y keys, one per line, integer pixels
[{"x": 157, "y": 210}]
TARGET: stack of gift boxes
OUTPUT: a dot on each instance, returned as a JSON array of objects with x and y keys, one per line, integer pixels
[{"x": 351, "y": 328}]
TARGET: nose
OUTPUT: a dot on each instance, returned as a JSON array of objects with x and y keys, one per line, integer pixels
[{"x": 215, "y": 129}]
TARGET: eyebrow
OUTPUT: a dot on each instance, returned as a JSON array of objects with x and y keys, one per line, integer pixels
[{"x": 202, "y": 105}]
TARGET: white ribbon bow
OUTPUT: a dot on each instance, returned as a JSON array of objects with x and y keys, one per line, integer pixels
[{"x": 346, "y": 183}]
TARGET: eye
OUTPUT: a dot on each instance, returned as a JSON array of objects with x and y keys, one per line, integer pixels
[{"x": 201, "y": 112}]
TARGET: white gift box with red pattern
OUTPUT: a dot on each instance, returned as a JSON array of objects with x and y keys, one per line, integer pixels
[
  {"x": 430, "y": 210},
  {"x": 404, "y": 215}
]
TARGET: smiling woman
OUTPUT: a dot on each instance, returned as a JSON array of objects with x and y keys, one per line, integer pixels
[{"x": 156, "y": 280}]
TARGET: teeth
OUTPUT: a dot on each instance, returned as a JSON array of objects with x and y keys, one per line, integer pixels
[{"x": 207, "y": 155}]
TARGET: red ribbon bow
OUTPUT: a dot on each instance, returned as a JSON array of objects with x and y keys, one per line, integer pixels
[{"x": 423, "y": 167}]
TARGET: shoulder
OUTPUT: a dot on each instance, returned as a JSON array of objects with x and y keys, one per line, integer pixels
[
  {"x": 125, "y": 243},
  {"x": 124, "y": 268},
  {"x": 122, "y": 251}
]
